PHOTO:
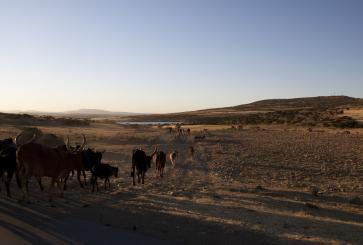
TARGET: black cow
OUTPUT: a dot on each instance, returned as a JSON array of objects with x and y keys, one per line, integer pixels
[
  {"x": 141, "y": 162},
  {"x": 8, "y": 162},
  {"x": 103, "y": 171},
  {"x": 91, "y": 158}
]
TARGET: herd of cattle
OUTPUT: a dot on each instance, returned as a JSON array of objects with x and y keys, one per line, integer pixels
[{"x": 36, "y": 154}]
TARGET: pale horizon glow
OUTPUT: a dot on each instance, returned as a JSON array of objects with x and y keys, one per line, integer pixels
[{"x": 169, "y": 56}]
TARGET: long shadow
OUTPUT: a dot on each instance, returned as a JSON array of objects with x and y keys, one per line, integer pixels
[
  {"x": 169, "y": 226},
  {"x": 37, "y": 219},
  {"x": 151, "y": 215},
  {"x": 23, "y": 233},
  {"x": 197, "y": 209},
  {"x": 296, "y": 194}
]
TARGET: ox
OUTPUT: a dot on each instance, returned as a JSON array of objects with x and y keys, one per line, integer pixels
[
  {"x": 173, "y": 156},
  {"x": 141, "y": 162},
  {"x": 160, "y": 163},
  {"x": 40, "y": 161},
  {"x": 91, "y": 158}
]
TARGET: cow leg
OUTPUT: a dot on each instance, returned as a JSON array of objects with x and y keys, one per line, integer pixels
[
  {"x": 79, "y": 178},
  {"x": 84, "y": 177},
  {"x": 133, "y": 175},
  {"x": 9, "y": 176},
  {"x": 94, "y": 180},
  {"x": 27, "y": 185},
  {"x": 105, "y": 184},
  {"x": 138, "y": 177},
  {"x": 18, "y": 180},
  {"x": 1, "y": 177},
  {"x": 109, "y": 184},
  {"x": 59, "y": 187},
  {"x": 39, "y": 179},
  {"x": 22, "y": 178},
  {"x": 51, "y": 189},
  {"x": 96, "y": 184},
  {"x": 143, "y": 177},
  {"x": 72, "y": 174},
  {"x": 65, "y": 182}
]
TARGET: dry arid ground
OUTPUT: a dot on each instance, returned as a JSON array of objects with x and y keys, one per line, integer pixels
[{"x": 256, "y": 185}]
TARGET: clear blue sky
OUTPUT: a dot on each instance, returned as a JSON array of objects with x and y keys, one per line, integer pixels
[{"x": 170, "y": 55}]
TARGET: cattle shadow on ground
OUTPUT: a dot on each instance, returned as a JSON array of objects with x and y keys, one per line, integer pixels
[{"x": 167, "y": 216}]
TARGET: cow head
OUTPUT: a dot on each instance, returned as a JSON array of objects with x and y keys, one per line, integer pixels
[{"x": 91, "y": 158}]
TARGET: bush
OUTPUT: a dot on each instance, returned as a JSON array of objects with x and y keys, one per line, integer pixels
[{"x": 347, "y": 122}]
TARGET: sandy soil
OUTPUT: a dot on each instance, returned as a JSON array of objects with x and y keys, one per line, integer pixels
[{"x": 259, "y": 185}]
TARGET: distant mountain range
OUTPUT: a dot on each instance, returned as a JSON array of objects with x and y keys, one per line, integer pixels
[
  {"x": 99, "y": 112},
  {"x": 78, "y": 112},
  {"x": 319, "y": 102}
]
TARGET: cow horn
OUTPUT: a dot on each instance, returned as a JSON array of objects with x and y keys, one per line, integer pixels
[
  {"x": 67, "y": 144},
  {"x": 16, "y": 140},
  {"x": 83, "y": 144},
  {"x": 156, "y": 149},
  {"x": 32, "y": 140}
]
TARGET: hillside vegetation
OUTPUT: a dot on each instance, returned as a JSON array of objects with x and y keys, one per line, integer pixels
[{"x": 313, "y": 111}]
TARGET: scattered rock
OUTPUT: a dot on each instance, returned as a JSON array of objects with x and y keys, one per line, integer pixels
[
  {"x": 107, "y": 225},
  {"x": 259, "y": 188},
  {"x": 134, "y": 228},
  {"x": 356, "y": 201},
  {"x": 315, "y": 191},
  {"x": 85, "y": 206}
]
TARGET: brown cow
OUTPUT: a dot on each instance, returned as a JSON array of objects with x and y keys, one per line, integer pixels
[
  {"x": 160, "y": 163},
  {"x": 40, "y": 161},
  {"x": 191, "y": 153},
  {"x": 173, "y": 156}
]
